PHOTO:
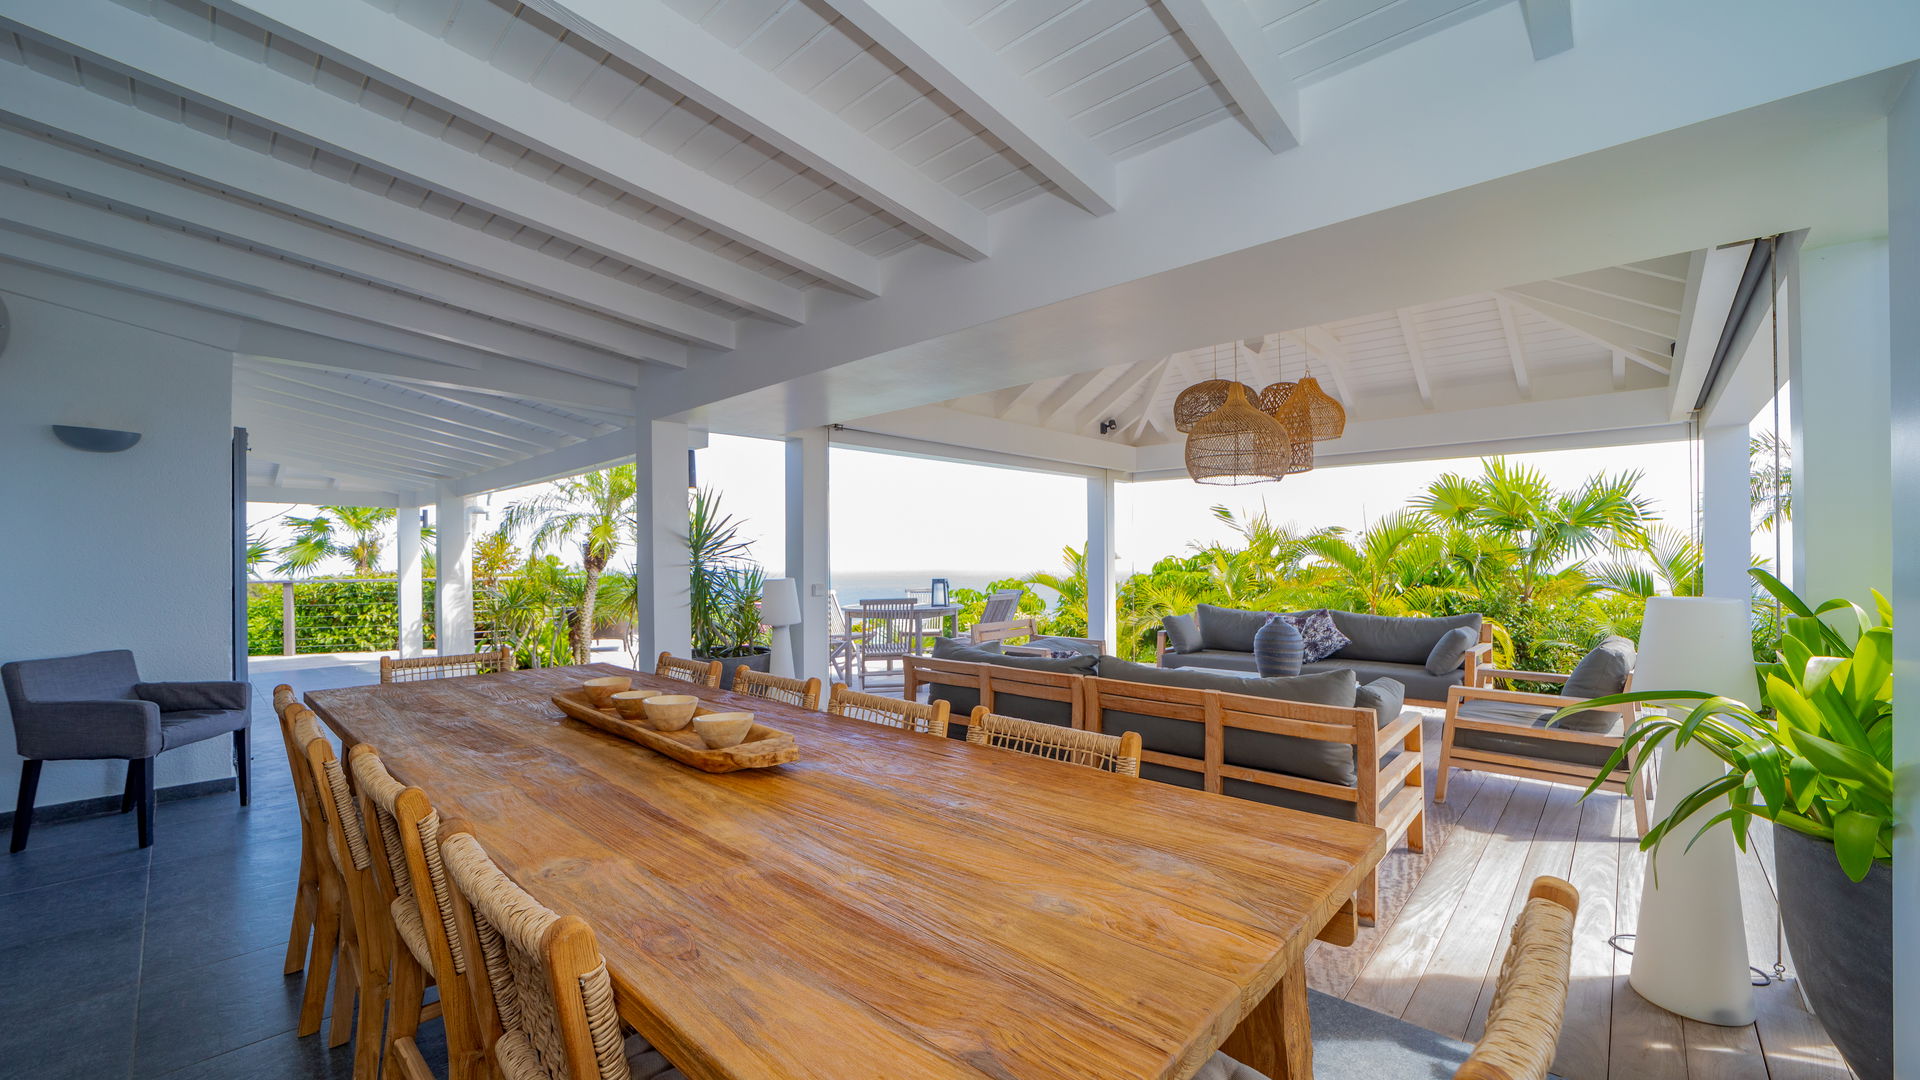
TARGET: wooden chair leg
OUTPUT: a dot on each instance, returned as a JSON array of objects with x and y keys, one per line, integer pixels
[
  {"x": 305, "y": 899},
  {"x": 320, "y": 957},
  {"x": 372, "y": 1014},
  {"x": 346, "y": 984},
  {"x": 23, "y": 807},
  {"x": 409, "y": 988}
]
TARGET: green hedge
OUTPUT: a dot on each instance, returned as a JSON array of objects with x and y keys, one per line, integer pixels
[{"x": 331, "y": 615}]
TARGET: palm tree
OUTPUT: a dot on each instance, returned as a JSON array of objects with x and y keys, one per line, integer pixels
[
  {"x": 354, "y": 533},
  {"x": 1070, "y": 591},
  {"x": 1769, "y": 466},
  {"x": 1671, "y": 564},
  {"x": 594, "y": 510},
  {"x": 1385, "y": 572}
]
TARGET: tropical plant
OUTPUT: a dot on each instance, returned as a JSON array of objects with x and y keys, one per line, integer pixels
[
  {"x": 1070, "y": 591},
  {"x": 1816, "y": 757},
  {"x": 594, "y": 510},
  {"x": 354, "y": 533},
  {"x": 1769, "y": 470},
  {"x": 259, "y": 550},
  {"x": 1668, "y": 563},
  {"x": 724, "y": 585},
  {"x": 1391, "y": 568}
]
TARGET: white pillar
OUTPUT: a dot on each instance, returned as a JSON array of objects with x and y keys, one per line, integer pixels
[
  {"x": 1103, "y": 623},
  {"x": 453, "y": 568},
  {"x": 410, "y": 581},
  {"x": 808, "y": 561},
  {"x": 1842, "y": 461},
  {"x": 1903, "y": 247},
  {"x": 1726, "y": 512},
  {"x": 660, "y": 557}
]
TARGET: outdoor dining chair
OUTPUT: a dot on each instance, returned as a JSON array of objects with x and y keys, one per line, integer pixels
[
  {"x": 890, "y": 631},
  {"x": 699, "y": 672},
  {"x": 927, "y": 718},
  {"x": 417, "y": 668},
  {"x": 843, "y": 646},
  {"x": 802, "y": 692},
  {"x": 1000, "y": 619},
  {"x": 1109, "y": 753}
]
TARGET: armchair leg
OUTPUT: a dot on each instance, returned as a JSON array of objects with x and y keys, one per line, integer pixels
[
  {"x": 23, "y": 810},
  {"x": 241, "y": 762},
  {"x": 131, "y": 793},
  {"x": 144, "y": 806}
]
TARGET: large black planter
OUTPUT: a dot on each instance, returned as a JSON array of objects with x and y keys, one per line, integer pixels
[
  {"x": 761, "y": 660},
  {"x": 1841, "y": 936}
]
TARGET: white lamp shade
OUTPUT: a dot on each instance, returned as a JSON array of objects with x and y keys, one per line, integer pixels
[
  {"x": 780, "y": 602},
  {"x": 1697, "y": 643}
]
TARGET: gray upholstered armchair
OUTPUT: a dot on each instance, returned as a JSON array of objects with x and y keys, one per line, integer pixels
[{"x": 94, "y": 706}]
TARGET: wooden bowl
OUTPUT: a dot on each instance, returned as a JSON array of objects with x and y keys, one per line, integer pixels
[
  {"x": 722, "y": 729},
  {"x": 601, "y": 691},
  {"x": 669, "y": 712},
  {"x": 627, "y": 703}
]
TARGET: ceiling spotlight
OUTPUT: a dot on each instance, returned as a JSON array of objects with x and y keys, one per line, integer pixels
[{"x": 1108, "y": 425}]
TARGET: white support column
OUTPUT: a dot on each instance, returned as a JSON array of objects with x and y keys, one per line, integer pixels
[
  {"x": 410, "y": 581},
  {"x": 660, "y": 560},
  {"x": 1103, "y": 622},
  {"x": 1726, "y": 512},
  {"x": 453, "y": 567},
  {"x": 808, "y": 540},
  {"x": 1842, "y": 459},
  {"x": 1903, "y": 248}
]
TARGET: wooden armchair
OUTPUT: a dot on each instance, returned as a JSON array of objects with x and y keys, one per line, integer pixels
[
  {"x": 1000, "y": 619},
  {"x": 1489, "y": 729}
]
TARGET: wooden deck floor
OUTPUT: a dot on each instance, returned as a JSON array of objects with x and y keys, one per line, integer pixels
[{"x": 1436, "y": 950}]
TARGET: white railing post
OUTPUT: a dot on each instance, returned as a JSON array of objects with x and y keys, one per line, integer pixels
[{"x": 289, "y": 644}]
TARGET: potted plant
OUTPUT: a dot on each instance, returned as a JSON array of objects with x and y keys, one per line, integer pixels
[
  {"x": 1816, "y": 759},
  {"x": 723, "y": 590}
]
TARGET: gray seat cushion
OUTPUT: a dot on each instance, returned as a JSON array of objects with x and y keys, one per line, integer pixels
[
  {"x": 191, "y": 725},
  {"x": 962, "y": 700},
  {"x": 1396, "y": 639},
  {"x": 1419, "y": 685},
  {"x": 1355, "y": 1043},
  {"x": 1522, "y": 719},
  {"x": 1227, "y": 628},
  {"x": 1217, "y": 659}
]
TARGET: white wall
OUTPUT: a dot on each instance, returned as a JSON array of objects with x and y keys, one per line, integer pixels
[
  {"x": 1903, "y": 186},
  {"x": 129, "y": 550}
]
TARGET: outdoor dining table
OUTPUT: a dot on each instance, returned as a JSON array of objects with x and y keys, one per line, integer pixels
[
  {"x": 919, "y": 616},
  {"x": 892, "y": 904}
]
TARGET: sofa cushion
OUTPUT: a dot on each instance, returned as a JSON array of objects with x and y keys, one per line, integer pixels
[
  {"x": 1226, "y": 628},
  {"x": 961, "y": 700},
  {"x": 1603, "y": 671},
  {"x": 1518, "y": 720},
  {"x": 1065, "y": 648},
  {"x": 1217, "y": 659},
  {"x": 1450, "y": 652},
  {"x": 1183, "y": 633},
  {"x": 1319, "y": 637},
  {"x": 947, "y": 648},
  {"x": 1386, "y": 697},
  {"x": 1309, "y": 758},
  {"x": 95, "y": 676},
  {"x": 179, "y": 696},
  {"x": 191, "y": 725},
  {"x": 1413, "y": 678},
  {"x": 1394, "y": 638}
]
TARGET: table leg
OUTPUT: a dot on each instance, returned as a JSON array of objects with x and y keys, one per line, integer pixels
[{"x": 1274, "y": 1038}]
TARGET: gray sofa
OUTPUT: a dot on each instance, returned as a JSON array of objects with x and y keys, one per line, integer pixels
[{"x": 1420, "y": 654}]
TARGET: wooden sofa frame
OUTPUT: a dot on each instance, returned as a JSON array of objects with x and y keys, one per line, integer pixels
[
  {"x": 995, "y": 679},
  {"x": 1479, "y": 654}
]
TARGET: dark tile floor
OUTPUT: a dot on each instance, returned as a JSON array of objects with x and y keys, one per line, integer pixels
[{"x": 166, "y": 962}]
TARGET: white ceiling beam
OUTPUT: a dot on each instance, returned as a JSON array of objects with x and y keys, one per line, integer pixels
[
  {"x": 130, "y": 187},
  {"x": 383, "y": 400},
  {"x": 935, "y": 424},
  {"x": 46, "y": 103},
  {"x": 1070, "y": 388},
  {"x": 653, "y": 36},
  {"x": 1134, "y": 423},
  {"x": 334, "y": 496},
  {"x": 514, "y": 410},
  {"x": 944, "y": 51},
  {"x": 1713, "y": 282},
  {"x": 1619, "y": 369},
  {"x": 1247, "y": 65},
  {"x": 364, "y": 436},
  {"x": 264, "y": 385},
  {"x": 1029, "y": 397},
  {"x": 1416, "y": 354},
  {"x": 395, "y": 51},
  {"x": 1628, "y": 283},
  {"x": 133, "y": 43},
  {"x": 1320, "y": 344},
  {"x": 1656, "y": 320},
  {"x": 1095, "y": 411},
  {"x": 437, "y": 327},
  {"x": 613, "y": 448},
  {"x": 1516, "y": 353},
  {"x": 1638, "y": 345},
  {"x": 324, "y": 447},
  {"x": 1549, "y": 26}
]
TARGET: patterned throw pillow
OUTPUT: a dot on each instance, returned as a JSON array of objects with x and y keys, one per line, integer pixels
[{"x": 1318, "y": 635}]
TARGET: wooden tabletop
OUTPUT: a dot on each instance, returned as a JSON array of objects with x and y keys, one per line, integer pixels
[
  {"x": 924, "y": 611},
  {"x": 890, "y": 906}
]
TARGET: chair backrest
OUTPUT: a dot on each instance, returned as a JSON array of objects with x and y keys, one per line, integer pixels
[
  {"x": 405, "y": 839},
  {"x": 699, "y": 672},
  {"x": 922, "y": 717},
  {"x": 541, "y": 992},
  {"x": 802, "y": 692},
  {"x": 836, "y": 615},
  {"x": 888, "y": 627},
  {"x": 1111, "y": 753},
  {"x": 417, "y": 668},
  {"x": 1001, "y": 606},
  {"x": 95, "y": 676},
  {"x": 1530, "y": 1000},
  {"x": 337, "y": 815}
]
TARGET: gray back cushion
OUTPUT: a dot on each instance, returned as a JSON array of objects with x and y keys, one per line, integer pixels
[
  {"x": 962, "y": 700},
  {"x": 1386, "y": 697},
  {"x": 1330, "y": 762},
  {"x": 1226, "y": 628},
  {"x": 98, "y": 676},
  {"x": 1399, "y": 639},
  {"x": 1450, "y": 652},
  {"x": 1183, "y": 633},
  {"x": 1603, "y": 671}
]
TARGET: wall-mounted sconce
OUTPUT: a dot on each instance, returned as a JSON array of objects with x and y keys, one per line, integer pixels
[{"x": 95, "y": 440}]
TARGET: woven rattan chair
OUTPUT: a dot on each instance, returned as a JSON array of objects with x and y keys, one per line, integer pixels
[
  {"x": 928, "y": 718},
  {"x": 1110, "y": 753},
  {"x": 306, "y": 895},
  {"x": 1529, "y": 1001},
  {"x": 357, "y": 943},
  {"x": 405, "y": 842},
  {"x": 418, "y": 668},
  {"x": 541, "y": 991},
  {"x": 802, "y": 692},
  {"x": 699, "y": 672}
]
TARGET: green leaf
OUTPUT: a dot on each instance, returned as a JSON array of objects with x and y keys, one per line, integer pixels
[{"x": 1855, "y": 836}]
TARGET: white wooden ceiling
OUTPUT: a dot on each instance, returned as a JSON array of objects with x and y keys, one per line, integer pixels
[{"x": 1594, "y": 333}]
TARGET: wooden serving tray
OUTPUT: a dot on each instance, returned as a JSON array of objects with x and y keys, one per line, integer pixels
[{"x": 763, "y": 746}]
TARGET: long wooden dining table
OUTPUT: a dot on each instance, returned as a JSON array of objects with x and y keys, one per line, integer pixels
[{"x": 891, "y": 905}]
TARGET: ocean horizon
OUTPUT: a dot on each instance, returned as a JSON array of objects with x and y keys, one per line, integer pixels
[{"x": 853, "y": 585}]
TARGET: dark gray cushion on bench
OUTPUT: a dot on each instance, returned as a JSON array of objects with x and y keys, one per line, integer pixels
[
  {"x": 1396, "y": 639},
  {"x": 1227, "y": 628},
  {"x": 961, "y": 700},
  {"x": 1183, "y": 633},
  {"x": 1413, "y": 677},
  {"x": 1217, "y": 659},
  {"x": 1450, "y": 652},
  {"x": 1522, "y": 718}
]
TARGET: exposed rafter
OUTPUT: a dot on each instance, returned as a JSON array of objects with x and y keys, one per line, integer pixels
[
  {"x": 1634, "y": 343},
  {"x": 1516, "y": 352},
  {"x": 1332, "y": 355},
  {"x": 654, "y": 37},
  {"x": 393, "y": 50},
  {"x": 1416, "y": 355},
  {"x": 1549, "y": 26},
  {"x": 203, "y": 71},
  {"x": 1096, "y": 410},
  {"x": 1252, "y": 71},
  {"x": 951, "y": 57}
]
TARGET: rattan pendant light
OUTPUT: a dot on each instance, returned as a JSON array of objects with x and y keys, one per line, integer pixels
[
  {"x": 1238, "y": 444},
  {"x": 1325, "y": 417},
  {"x": 1200, "y": 399}
]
